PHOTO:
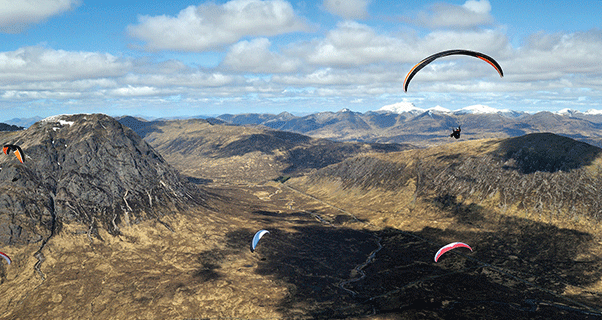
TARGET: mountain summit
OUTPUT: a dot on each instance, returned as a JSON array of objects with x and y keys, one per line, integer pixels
[{"x": 88, "y": 169}]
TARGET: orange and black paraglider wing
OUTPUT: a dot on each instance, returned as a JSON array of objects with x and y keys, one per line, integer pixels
[
  {"x": 435, "y": 56},
  {"x": 16, "y": 149},
  {"x": 19, "y": 154}
]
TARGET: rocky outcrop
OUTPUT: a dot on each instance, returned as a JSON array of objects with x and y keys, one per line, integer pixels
[{"x": 88, "y": 169}]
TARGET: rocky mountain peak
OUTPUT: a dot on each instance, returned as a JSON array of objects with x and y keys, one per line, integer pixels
[{"x": 84, "y": 168}]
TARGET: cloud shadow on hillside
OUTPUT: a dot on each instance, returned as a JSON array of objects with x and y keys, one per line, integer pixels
[
  {"x": 545, "y": 152},
  {"x": 403, "y": 280}
]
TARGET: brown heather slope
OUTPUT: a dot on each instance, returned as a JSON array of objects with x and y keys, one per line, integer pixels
[
  {"x": 207, "y": 151},
  {"x": 541, "y": 175}
]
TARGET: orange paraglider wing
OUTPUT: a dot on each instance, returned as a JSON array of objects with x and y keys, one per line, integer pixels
[{"x": 19, "y": 154}]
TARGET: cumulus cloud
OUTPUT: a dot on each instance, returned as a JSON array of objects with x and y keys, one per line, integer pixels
[
  {"x": 190, "y": 79},
  {"x": 348, "y": 9},
  {"x": 560, "y": 52},
  {"x": 15, "y": 16},
  {"x": 210, "y": 26},
  {"x": 472, "y": 13},
  {"x": 352, "y": 44},
  {"x": 255, "y": 56},
  {"x": 341, "y": 77},
  {"x": 39, "y": 63}
]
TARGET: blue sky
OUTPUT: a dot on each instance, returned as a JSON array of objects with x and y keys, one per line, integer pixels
[{"x": 186, "y": 58}]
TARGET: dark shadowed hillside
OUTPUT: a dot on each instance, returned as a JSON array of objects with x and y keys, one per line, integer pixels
[{"x": 9, "y": 127}]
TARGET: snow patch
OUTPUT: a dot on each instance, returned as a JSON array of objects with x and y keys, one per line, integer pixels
[
  {"x": 565, "y": 111},
  {"x": 480, "y": 109},
  {"x": 58, "y": 119},
  {"x": 55, "y": 118},
  {"x": 406, "y": 106},
  {"x": 401, "y": 107},
  {"x": 439, "y": 109},
  {"x": 593, "y": 112}
]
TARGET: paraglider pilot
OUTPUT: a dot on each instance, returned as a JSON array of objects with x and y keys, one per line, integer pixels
[{"x": 456, "y": 133}]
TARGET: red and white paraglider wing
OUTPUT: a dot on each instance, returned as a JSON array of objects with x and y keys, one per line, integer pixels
[
  {"x": 450, "y": 246},
  {"x": 6, "y": 257}
]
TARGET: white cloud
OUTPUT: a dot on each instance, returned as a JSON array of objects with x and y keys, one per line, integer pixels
[
  {"x": 352, "y": 44},
  {"x": 188, "y": 78},
  {"x": 15, "y": 16},
  {"x": 348, "y": 9},
  {"x": 131, "y": 91},
  {"x": 341, "y": 77},
  {"x": 559, "y": 54},
  {"x": 442, "y": 15},
  {"x": 210, "y": 26},
  {"x": 38, "y": 63},
  {"x": 255, "y": 56}
]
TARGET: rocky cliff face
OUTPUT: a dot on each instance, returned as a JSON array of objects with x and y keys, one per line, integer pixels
[{"x": 88, "y": 169}]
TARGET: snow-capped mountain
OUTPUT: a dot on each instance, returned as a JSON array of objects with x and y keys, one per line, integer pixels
[
  {"x": 480, "y": 109},
  {"x": 571, "y": 112},
  {"x": 405, "y": 106}
]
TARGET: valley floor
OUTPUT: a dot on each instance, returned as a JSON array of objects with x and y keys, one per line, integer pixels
[{"x": 324, "y": 258}]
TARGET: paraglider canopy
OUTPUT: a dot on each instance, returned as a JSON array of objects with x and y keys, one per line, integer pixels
[
  {"x": 256, "y": 238},
  {"x": 435, "y": 56},
  {"x": 6, "y": 257},
  {"x": 450, "y": 246},
  {"x": 18, "y": 152}
]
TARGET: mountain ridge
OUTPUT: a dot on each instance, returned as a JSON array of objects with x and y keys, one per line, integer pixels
[
  {"x": 427, "y": 128},
  {"x": 539, "y": 173},
  {"x": 88, "y": 169}
]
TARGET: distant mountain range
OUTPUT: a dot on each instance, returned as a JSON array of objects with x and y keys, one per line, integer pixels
[
  {"x": 23, "y": 122},
  {"x": 405, "y": 123}
]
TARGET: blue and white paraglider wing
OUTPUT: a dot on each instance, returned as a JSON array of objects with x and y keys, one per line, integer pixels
[{"x": 256, "y": 238}]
